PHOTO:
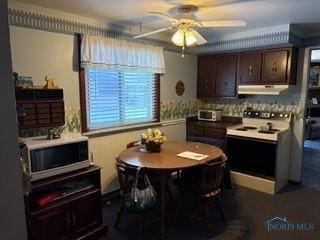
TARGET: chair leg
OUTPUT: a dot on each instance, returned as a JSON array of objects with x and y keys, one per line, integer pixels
[
  {"x": 169, "y": 190},
  {"x": 207, "y": 214},
  {"x": 141, "y": 219},
  {"x": 221, "y": 209},
  {"x": 120, "y": 213}
]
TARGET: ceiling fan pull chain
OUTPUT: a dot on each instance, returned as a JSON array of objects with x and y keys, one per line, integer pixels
[{"x": 184, "y": 44}]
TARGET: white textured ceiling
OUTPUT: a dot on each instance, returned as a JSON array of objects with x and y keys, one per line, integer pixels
[{"x": 130, "y": 13}]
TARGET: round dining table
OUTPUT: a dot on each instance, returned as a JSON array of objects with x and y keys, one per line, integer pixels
[{"x": 166, "y": 161}]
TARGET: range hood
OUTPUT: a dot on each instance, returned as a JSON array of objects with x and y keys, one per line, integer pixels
[{"x": 261, "y": 89}]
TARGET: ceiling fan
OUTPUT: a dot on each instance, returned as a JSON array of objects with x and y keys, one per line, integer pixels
[{"x": 183, "y": 19}]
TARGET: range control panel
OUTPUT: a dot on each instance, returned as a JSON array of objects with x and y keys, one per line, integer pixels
[{"x": 283, "y": 116}]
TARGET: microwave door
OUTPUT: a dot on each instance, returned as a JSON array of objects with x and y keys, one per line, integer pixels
[
  {"x": 58, "y": 156},
  {"x": 205, "y": 115}
]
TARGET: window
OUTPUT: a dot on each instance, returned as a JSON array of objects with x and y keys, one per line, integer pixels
[{"x": 117, "y": 98}]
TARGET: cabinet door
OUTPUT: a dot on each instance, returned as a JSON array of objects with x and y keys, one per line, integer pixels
[
  {"x": 86, "y": 213},
  {"x": 226, "y": 76},
  {"x": 275, "y": 65},
  {"x": 206, "y": 74},
  {"x": 250, "y": 70},
  {"x": 215, "y": 133},
  {"x": 26, "y": 114},
  {"x": 50, "y": 224},
  {"x": 194, "y": 131}
]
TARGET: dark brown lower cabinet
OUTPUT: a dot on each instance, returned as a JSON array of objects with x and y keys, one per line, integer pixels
[
  {"x": 50, "y": 224},
  {"x": 86, "y": 213},
  {"x": 77, "y": 215}
]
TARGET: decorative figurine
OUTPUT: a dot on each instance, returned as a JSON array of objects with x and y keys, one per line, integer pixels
[{"x": 50, "y": 83}]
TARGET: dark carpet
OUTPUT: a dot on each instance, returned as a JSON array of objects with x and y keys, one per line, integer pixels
[
  {"x": 310, "y": 175},
  {"x": 246, "y": 211}
]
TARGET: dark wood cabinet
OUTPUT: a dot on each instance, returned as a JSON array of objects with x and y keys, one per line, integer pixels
[
  {"x": 50, "y": 224},
  {"x": 226, "y": 76},
  {"x": 86, "y": 213},
  {"x": 75, "y": 214},
  {"x": 250, "y": 68},
  {"x": 217, "y": 76},
  {"x": 209, "y": 132},
  {"x": 37, "y": 108},
  {"x": 268, "y": 67},
  {"x": 206, "y": 76},
  {"x": 275, "y": 67}
]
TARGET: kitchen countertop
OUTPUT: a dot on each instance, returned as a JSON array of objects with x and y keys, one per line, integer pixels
[{"x": 223, "y": 124}]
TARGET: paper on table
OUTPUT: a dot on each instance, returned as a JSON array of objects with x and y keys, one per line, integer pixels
[{"x": 192, "y": 155}]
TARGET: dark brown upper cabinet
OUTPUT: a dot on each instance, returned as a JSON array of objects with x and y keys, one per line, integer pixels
[
  {"x": 274, "y": 67},
  {"x": 217, "y": 76},
  {"x": 226, "y": 76},
  {"x": 206, "y": 75},
  {"x": 250, "y": 70}
]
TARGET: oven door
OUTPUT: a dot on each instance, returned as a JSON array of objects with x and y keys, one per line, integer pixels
[{"x": 252, "y": 156}]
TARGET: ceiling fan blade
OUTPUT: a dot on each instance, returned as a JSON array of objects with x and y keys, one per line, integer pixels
[
  {"x": 209, "y": 3},
  {"x": 200, "y": 40},
  {"x": 218, "y": 3},
  {"x": 164, "y": 16},
  {"x": 153, "y": 32},
  {"x": 224, "y": 23}
]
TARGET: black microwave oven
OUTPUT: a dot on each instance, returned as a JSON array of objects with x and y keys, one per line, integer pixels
[{"x": 45, "y": 158}]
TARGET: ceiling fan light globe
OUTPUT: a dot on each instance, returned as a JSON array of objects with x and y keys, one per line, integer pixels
[
  {"x": 190, "y": 38},
  {"x": 178, "y": 38}
]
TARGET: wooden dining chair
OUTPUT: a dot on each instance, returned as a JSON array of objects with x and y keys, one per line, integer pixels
[
  {"x": 154, "y": 178},
  {"x": 211, "y": 184},
  {"x": 204, "y": 185},
  {"x": 126, "y": 176}
]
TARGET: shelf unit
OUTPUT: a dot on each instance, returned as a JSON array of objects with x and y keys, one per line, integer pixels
[
  {"x": 39, "y": 108},
  {"x": 313, "y": 109},
  {"x": 66, "y": 206}
]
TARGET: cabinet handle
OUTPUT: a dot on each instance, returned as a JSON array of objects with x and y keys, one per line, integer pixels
[
  {"x": 206, "y": 83},
  {"x": 250, "y": 70},
  {"x": 274, "y": 68}
]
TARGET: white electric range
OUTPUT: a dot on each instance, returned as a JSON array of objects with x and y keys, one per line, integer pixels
[{"x": 259, "y": 150}]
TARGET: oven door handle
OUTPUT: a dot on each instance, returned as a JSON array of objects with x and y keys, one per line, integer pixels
[{"x": 252, "y": 139}]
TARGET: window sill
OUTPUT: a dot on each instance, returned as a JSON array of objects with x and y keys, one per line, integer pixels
[{"x": 115, "y": 130}]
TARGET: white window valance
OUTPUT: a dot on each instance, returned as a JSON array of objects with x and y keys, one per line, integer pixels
[{"x": 120, "y": 55}]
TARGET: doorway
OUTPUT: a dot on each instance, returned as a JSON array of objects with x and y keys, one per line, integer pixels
[{"x": 311, "y": 152}]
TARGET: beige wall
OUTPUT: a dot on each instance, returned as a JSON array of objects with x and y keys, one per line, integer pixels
[
  {"x": 38, "y": 53},
  {"x": 179, "y": 69}
]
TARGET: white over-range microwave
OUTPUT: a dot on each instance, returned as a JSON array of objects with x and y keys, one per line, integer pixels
[
  {"x": 209, "y": 115},
  {"x": 45, "y": 158}
]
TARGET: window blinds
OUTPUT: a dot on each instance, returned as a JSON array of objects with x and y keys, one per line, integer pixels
[{"x": 116, "y": 98}]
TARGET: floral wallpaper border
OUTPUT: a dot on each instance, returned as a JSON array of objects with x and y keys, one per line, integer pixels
[
  {"x": 181, "y": 109},
  {"x": 173, "y": 110}
]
